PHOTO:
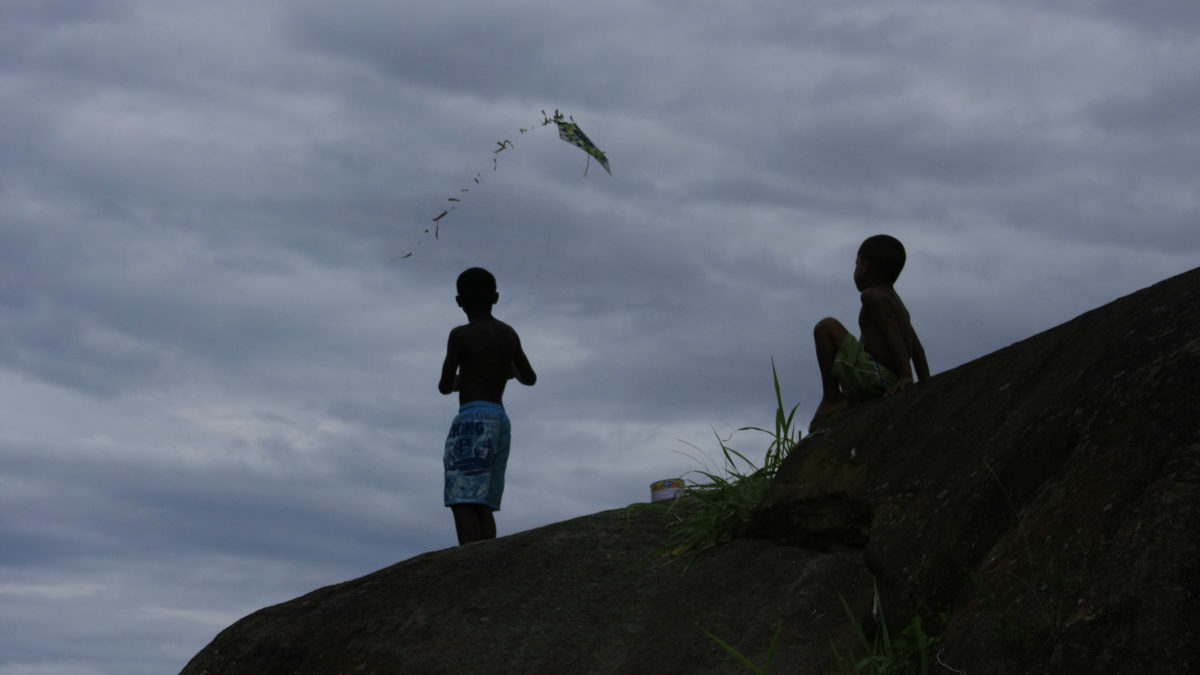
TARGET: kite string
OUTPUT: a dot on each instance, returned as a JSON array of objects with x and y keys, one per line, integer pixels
[{"x": 505, "y": 144}]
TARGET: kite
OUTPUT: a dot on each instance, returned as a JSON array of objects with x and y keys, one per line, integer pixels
[
  {"x": 571, "y": 133},
  {"x": 568, "y": 131}
]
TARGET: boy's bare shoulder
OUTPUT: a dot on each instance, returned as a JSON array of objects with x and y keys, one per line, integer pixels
[
  {"x": 881, "y": 305},
  {"x": 490, "y": 329},
  {"x": 883, "y": 295},
  {"x": 876, "y": 293},
  {"x": 503, "y": 327}
]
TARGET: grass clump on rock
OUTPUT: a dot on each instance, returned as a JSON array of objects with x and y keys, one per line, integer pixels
[{"x": 713, "y": 507}]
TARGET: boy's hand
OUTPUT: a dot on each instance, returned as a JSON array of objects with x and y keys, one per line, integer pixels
[{"x": 901, "y": 384}]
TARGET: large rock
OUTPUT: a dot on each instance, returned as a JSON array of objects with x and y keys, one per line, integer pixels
[
  {"x": 1044, "y": 497},
  {"x": 582, "y": 596}
]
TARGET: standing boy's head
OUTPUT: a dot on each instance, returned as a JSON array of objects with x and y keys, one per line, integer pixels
[
  {"x": 477, "y": 289},
  {"x": 884, "y": 258}
]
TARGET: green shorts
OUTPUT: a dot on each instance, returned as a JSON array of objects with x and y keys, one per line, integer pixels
[{"x": 861, "y": 376}]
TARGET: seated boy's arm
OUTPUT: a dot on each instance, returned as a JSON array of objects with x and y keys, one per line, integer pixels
[
  {"x": 918, "y": 359},
  {"x": 524, "y": 371},
  {"x": 450, "y": 365}
]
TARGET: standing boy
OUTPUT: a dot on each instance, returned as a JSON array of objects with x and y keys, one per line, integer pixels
[
  {"x": 877, "y": 365},
  {"x": 481, "y": 356}
]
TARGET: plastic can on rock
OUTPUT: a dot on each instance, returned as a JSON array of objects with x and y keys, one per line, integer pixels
[{"x": 665, "y": 490}]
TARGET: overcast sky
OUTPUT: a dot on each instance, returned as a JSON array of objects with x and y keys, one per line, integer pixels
[{"x": 218, "y": 381}]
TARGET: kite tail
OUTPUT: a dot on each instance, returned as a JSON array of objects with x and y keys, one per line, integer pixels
[{"x": 567, "y": 131}]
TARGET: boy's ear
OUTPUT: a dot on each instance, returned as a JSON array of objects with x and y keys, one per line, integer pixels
[
  {"x": 458, "y": 300},
  {"x": 495, "y": 298}
]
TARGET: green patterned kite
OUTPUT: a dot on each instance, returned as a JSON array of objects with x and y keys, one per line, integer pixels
[{"x": 571, "y": 133}]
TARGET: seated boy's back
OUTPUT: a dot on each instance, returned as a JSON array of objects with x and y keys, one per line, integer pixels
[{"x": 888, "y": 335}]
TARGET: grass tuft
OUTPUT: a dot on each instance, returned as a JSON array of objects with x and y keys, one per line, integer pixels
[
  {"x": 716, "y": 505},
  {"x": 907, "y": 653},
  {"x": 741, "y": 658}
]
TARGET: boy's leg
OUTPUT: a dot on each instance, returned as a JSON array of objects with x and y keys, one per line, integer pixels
[
  {"x": 828, "y": 335},
  {"x": 487, "y": 522},
  {"x": 466, "y": 523},
  {"x": 473, "y": 522}
]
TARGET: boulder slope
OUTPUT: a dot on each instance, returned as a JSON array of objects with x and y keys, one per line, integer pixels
[{"x": 1044, "y": 499}]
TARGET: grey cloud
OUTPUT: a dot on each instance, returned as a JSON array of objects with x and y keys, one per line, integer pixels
[{"x": 219, "y": 383}]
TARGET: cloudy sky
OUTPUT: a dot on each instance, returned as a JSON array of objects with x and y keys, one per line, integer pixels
[{"x": 218, "y": 381}]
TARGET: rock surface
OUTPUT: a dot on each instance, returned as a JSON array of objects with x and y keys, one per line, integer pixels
[{"x": 1044, "y": 498}]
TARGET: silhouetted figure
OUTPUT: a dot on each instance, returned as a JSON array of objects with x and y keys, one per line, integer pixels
[
  {"x": 481, "y": 356},
  {"x": 855, "y": 370}
]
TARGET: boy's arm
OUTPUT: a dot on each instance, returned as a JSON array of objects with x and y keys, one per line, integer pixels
[
  {"x": 918, "y": 359},
  {"x": 450, "y": 365},
  {"x": 524, "y": 371}
]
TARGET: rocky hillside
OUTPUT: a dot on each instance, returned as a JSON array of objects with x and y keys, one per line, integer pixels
[{"x": 1045, "y": 499}]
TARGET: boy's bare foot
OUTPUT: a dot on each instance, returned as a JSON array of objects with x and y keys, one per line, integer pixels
[{"x": 826, "y": 409}]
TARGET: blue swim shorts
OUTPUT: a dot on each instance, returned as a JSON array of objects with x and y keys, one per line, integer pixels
[{"x": 477, "y": 455}]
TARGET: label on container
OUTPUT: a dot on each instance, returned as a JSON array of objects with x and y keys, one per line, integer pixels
[{"x": 666, "y": 490}]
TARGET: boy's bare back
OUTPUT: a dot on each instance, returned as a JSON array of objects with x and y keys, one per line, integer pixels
[
  {"x": 888, "y": 335},
  {"x": 481, "y": 356}
]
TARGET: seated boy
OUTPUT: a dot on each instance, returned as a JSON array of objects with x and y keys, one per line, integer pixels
[
  {"x": 488, "y": 352},
  {"x": 877, "y": 365}
]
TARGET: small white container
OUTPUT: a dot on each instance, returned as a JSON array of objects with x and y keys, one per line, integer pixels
[{"x": 665, "y": 490}]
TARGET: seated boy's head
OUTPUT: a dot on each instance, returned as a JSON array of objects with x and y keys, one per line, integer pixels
[
  {"x": 884, "y": 256},
  {"x": 477, "y": 289}
]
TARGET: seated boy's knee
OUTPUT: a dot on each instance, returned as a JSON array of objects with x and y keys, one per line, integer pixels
[{"x": 827, "y": 326}]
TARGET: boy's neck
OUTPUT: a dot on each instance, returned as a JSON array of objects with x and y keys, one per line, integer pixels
[
  {"x": 868, "y": 285},
  {"x": 483, "y": 314}
]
